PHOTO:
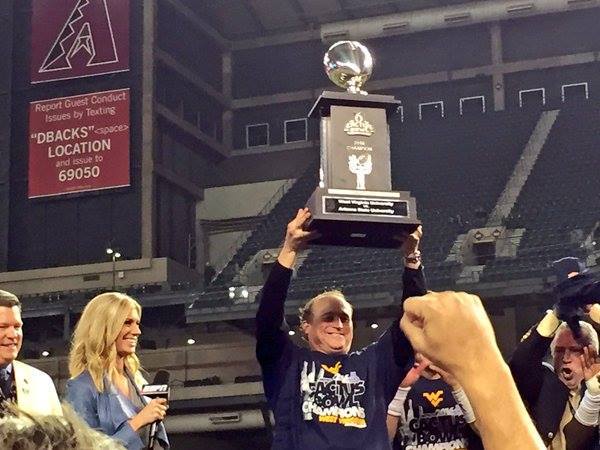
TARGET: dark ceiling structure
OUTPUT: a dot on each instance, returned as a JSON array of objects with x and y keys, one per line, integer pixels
[{"x": 247, "y": 19}]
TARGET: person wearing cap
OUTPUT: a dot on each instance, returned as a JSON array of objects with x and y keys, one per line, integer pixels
[{"x": 558, "y": 393}]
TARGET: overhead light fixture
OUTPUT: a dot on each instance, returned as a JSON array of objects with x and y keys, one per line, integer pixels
[
  {"x": 292, "y": 333},
  {"x": 393, "y": 28},
  {"x": 457, "y": 18},
  {"x": 191, "y": 341},
  {"x": 109, "y": 251},
  {"x": 576, "y": 3},
  {"x": 336, "y": 35},
  {"x": 520, "y": 8},
  {"x": 45, "y": 353},
  {"x": 374, "y": 325}
]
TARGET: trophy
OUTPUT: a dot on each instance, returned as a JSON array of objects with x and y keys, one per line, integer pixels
[{"x": 354, "y": 204}]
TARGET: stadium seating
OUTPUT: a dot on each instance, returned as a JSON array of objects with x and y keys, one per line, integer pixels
[
  {"x": 560, "y": 202},
  {"x": 481, "y": 151}
]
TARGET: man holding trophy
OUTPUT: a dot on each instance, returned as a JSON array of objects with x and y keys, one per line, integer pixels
[{"x": 326, "y": 397}]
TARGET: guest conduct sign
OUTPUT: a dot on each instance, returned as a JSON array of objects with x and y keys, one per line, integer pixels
[{"x": 79, "y": 143}]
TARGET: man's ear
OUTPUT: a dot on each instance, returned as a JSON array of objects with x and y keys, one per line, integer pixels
[{"x": 304, "y": 327}]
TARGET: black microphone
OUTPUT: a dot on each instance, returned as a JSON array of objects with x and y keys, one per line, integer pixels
[{"x": 158, "y": 389}]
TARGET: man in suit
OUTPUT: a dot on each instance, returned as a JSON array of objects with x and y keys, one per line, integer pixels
[
  {"x": 567, "y": 392},
  {"x": 31, "y": 389}
]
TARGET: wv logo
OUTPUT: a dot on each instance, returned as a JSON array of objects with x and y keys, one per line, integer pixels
[
  {"x": 86, "y": 38},
  {"x": 333, "y": 370},
  {"x": 435, "y": 398}
]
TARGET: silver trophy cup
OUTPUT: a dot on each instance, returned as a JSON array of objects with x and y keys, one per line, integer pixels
[{"x": 349, "y": 65}]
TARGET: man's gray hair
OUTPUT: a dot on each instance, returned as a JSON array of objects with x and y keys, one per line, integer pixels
[
  {"x": 23, "y": 431},
  {"x": 587, "y": 331}
]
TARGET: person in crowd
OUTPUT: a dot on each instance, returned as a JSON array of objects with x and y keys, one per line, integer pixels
[
  {"x": 23, "y": 431},
  {"x": 453, "y": 330},
  {"x": 581, "y": 433},
  {"x": 431, "y": 411},
  {"x": 326, "y": 397},
  {"x": 30, "y": 388},
  {"x": 105, "y": 383},
  {"x": 555, "y": 394}
]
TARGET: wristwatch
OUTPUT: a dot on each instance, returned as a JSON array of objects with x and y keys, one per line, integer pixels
[{"x": 413, "y": 258}]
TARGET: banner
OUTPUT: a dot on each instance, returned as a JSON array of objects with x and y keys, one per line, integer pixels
[
  {"x": 79, "y": 143},
  {"x": 78, "y": 38}
]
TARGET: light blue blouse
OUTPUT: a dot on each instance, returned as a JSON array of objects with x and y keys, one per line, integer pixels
[{"x": 108, "y": 411}]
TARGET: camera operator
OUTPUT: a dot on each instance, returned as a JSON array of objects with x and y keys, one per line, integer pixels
[{"x": 557, "y": 394}]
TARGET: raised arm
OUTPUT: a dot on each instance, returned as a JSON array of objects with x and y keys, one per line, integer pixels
[
  {"x": 395, "y": 354},
  {"x": 526, "y": 361},
  {"x": 271, "y": 340},
  {"x": 396, "y": 413},
  {"x": 413, "y": 279}
]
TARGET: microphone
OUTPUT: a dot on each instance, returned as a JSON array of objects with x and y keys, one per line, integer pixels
[{"x": 158, "y": 389}]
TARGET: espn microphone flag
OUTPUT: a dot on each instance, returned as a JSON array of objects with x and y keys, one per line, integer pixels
[{"x": 158, "y": 389}]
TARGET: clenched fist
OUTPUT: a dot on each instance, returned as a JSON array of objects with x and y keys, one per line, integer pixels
[{"x": 450, "y": 328}]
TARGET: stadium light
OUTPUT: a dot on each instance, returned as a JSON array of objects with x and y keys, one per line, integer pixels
[{"x": 114, "y": 254}]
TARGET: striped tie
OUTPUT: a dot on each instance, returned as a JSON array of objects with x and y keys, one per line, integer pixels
[{"x": 5, "y": 383}]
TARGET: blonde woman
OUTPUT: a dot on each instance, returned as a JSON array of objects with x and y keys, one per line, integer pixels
[{"x": 105, "y": 383}]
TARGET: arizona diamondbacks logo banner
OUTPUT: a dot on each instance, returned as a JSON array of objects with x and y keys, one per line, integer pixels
[{"x": 78, "y": 38}]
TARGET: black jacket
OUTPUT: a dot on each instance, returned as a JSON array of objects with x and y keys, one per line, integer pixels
[{"x": 544, "y": 395}]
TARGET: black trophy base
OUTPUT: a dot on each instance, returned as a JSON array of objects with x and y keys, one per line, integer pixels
[{"x": 356, "y": 218}]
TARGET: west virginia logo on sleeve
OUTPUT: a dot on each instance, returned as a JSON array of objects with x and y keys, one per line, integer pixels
[
  {"x": 435, "y": 398},
  {"x": 332, "y": 397}
]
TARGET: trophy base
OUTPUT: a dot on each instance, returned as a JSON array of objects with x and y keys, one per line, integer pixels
[{"x": 356, "y": 218}]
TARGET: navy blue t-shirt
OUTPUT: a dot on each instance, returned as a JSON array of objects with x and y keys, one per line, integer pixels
[
  {"x": 431, "y": 419},
  {"x": 329, "y": 402}
]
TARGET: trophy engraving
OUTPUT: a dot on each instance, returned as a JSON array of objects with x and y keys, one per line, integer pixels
[
  {"x": 360, "y": 166},
  {"x": 355, "y": 140},
  {"x": 359, "y": 126}
]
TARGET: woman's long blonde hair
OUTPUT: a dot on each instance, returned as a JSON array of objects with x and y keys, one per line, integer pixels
[{"x": 93, "y": 345}]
